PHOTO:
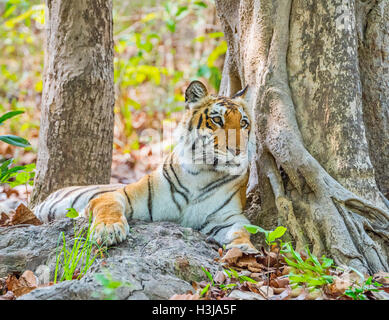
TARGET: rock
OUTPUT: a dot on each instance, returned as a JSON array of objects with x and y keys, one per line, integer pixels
[
  {"x": 157, "y": 259},
  {"x": 43, "y": 274}
]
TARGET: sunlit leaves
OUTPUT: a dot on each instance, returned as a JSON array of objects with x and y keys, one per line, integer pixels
[
  {"x": 17, "y": 175},
  {"x": 216, "y": 53},
  {"x": 9, "y": 115},
  {"x": 14, "y": 140},
  {"x": 36, "y": 12}
]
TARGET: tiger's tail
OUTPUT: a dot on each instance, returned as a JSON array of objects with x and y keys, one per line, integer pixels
[{"x": 55, "y": 206}]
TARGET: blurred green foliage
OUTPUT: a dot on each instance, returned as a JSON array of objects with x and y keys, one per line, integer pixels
[{"x": 159, "y": 47}]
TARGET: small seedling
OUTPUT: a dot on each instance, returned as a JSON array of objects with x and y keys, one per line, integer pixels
[
  {"x": 357, "y": 292},
  {"x": 270, "y": 238}
]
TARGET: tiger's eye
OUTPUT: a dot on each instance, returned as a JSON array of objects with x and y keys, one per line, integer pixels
[
  {"x": 245, "y": 123},
  {"x": 217, "y": 120}
]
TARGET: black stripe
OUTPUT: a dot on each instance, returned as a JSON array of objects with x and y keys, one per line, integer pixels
[
  {"x": 51, "y": 216},
  {"x": 179, "y": 183},
  {"x": 129, "y": 202},
  {"x": 216, "y": 229},
  {"x": 200, "y": 121},
  {"x": 150, "y": 198},
  {"x": 206, "y": 114},
  {"x": 167, "y": 177},
  {"x": 82, "y": 193},
  {"x": 214, "y": 182},
  {"x": 96, "y": 194},
  {"x": 191, "y": 120},
  {"x": 63, "y": 197},
  {"x": 212, "y": 186},
  {"x": 207, "y": 220},
  {"x": 172, "y": 195}
]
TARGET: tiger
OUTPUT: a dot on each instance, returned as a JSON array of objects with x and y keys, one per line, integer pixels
[{"x": 201, "y": 184}]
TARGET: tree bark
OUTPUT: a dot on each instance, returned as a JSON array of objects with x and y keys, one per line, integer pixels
[
  {"x": 76, "y": 133},
  {"x": 321, "y": 148}
]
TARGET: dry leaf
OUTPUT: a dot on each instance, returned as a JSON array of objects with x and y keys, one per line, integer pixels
[
  {"x": 296, "y": 292},
  {"x": 278, "y": 290},
  {"x": 220, "y": 277},
  {"x": 232, "y": 255},
  {"x": 339, "y": 285},
  {"x": 285, "y": 295},
  {"x": 381, "y": 277},
  {"x": 8, "y": 296},
  {"x": 185, "y": 297},
  {"x": 250, "y": 263},
  {"x": 22, "y": 285},
  {"x": 280, "y": 282},
  {"x": 3, "y": 219},
  {"x": 268, "y": 291},
  {"x": 23, "y": 215}
]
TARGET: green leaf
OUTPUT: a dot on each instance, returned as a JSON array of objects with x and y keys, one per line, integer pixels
[
  {"x": 277, "y": 233},
  {"x": 201, "y": 4},
  {"x": 248, "y": 279},
  {"x": 209, "y": 275},
  {"x": 205, "y": 290},
  {"x": 171, "y": 25},
  {"x": 15, "y": 140},
  {"x": 327, "y": 262},
  {"x": 10, "y": 114},
  {"x": 72, "y": 213},
  {"x": 181, "y": 10},
  {"x": 253, "y": 229}
]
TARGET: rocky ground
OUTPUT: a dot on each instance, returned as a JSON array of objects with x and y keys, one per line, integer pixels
[{"x": 157, "y": 260}]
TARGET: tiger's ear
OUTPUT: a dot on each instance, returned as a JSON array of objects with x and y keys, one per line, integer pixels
[
  {"x": 241, "y": 93},
  {"x": 195, "y": 91}
]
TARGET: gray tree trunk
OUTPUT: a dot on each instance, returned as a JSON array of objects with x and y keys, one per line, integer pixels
[
  {"x": 318, "y": 78},
  {"x": 76, "y": 133}
]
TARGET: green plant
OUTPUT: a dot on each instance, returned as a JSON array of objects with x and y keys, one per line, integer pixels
[
  {"x": 230, "y": 273},
  {"x": 109, "y": 286},
  {"x": 10, "y": 138},
  {"x": 358, "y": 292},
  {"x": 80, "y": 256},
  {"x": 18, "y": 175},
  {"x": 270, "y": 236},
  {"x": 233, "y": 273},
  {"x": 310, "y": 271}
]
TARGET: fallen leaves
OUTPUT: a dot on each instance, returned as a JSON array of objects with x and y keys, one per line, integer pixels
[
  {"x": 188, "y": 296},
  {"x": 22, "y": 215},
  {"x": 16, "y": 285},
  {"x": 265, "y": 276},
  {"x": 23, "y": 284}
]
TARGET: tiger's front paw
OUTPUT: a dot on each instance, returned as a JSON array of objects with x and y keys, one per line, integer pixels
[
  {"x": 242, "y": 242},
  {"x": 246, "y": 247},
  {"x": 110, "y": 232}
]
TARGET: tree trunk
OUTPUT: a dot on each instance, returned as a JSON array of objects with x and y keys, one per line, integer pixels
[
  {"x": 76, "y": 133},
  {"x": 318, "y": 78}
]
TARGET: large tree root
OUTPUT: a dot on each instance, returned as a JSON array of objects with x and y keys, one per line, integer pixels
[
  {"x": 317, "y": 210},
  {"x": 336, "y": 221}
]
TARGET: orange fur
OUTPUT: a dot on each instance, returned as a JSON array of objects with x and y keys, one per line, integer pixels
[{"x": 242, "y": 237}]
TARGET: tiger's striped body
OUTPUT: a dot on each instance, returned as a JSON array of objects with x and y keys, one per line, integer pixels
[{"x": 184, "y": 189}]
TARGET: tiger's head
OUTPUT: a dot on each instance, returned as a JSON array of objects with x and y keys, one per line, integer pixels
[{"x": 215, "y": 131}]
